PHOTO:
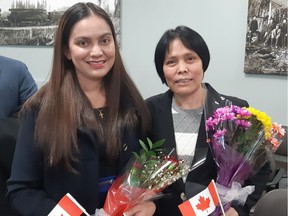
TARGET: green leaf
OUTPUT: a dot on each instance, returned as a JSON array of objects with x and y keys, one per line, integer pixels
[
  {"x": 150, "y": 143},
  {"x": 142, "y": 152},
  {"x": 158, "y": 144},
  {"x": 143, "y": 145},
  {"x": 136, "y": 155},
  {"x": 143, "y": 157},
  {"x": 151, "y": 154}
]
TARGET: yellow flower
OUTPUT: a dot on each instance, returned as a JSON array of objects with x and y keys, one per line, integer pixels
[{"x": 264, "y": 119}]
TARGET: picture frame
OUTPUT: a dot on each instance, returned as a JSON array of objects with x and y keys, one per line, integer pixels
[
  {"x": 266, "y": 38},
  {"x": 34, "y": 22}
]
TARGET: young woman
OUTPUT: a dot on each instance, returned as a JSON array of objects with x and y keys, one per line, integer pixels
[{"x": 80, "y": 129}]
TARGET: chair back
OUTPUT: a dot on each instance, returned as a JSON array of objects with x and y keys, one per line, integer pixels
[{"x": 272, "y": 203}]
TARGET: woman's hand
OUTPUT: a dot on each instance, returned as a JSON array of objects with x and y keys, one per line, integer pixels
[
  {"x": 231, "y": 212},
  {"x": 141, "y": 209},
  {"x": 146, "y": 207}
]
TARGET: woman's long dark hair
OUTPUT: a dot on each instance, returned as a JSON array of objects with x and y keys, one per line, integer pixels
[{"x": 63, "y": 107}]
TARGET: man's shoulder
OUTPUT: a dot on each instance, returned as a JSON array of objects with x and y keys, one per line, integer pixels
[
  {"x": 10, "y": 61},
  {"x": 8, "y": 64}
]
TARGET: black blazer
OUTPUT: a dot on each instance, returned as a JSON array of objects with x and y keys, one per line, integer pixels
[
  {"x": 200, "y": 177},
  {"x": 34, "y": 187}
]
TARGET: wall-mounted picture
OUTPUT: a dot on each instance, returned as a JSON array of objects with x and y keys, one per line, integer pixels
[
  {"x": 34, "y": 22},
  {"x": 266, "y": 38}
]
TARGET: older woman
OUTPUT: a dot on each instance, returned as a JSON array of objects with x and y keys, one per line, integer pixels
[{"x": 181, "y": 58}]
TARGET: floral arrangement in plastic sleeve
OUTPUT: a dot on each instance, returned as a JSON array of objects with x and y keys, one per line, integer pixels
[
  {"x": 145, "y": 175},
  {"x": 241, "y": 140}
]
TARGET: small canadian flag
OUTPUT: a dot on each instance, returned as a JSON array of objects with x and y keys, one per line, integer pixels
[
  {"x": 202, "y": 204},
  {"x": 68, "y": 206}
]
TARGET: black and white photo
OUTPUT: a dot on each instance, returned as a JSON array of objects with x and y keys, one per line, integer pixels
[
  {"x": 266, "y": 38},
  {"x": 33, "y": 22}
]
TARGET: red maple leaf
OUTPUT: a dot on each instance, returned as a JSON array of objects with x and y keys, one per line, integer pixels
[{"x": 203, "y": 203}]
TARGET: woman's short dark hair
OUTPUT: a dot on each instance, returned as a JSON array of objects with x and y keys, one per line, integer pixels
[{"x": 190, "y": 38}]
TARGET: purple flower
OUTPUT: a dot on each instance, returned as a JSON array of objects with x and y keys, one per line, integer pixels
[
  {"x": 243, "y": 123},
  {"x": 219, "y": 133},
  {"x": 224, "y": 114},
  {"x": 242, "y": 112},
  {"x": 211, "y": 123},
  {"x": 236, "y": 138}
]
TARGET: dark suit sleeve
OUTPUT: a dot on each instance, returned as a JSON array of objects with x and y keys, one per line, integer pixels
[
  {"x": 8, "y": 134},
  {"x": 27, "y": 84},
  {"x": 25, "y": 186}
]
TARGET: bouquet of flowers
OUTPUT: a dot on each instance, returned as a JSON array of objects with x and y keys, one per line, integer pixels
[
  {"x": 146, "y": 175},
  {"x": 240, "y": 139}
]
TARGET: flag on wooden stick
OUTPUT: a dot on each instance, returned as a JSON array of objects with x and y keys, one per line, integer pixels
[
  {"x": 68, "y": 206},
  {"x": 202, "y": 204}
]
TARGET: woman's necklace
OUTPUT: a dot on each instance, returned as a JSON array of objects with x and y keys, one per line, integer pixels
[{"x": 101, "y": 114}]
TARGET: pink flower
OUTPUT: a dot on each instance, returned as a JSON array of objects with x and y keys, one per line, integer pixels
[
  {"x": 219, "y": 133},
  {"x": 278, "y": 130},
  {"x": 243, "y": 123},
  {"x": 224, "y": 113},
  {"x": 241, "y": 112},
  {"x": 211, "y": 123},
  {"x": 275, "y": 143}
]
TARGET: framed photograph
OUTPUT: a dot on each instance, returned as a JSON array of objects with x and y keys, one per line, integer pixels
[
  {"x": 34, "y": 22},
  {"x": 266, "y": 38}
]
